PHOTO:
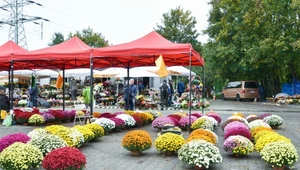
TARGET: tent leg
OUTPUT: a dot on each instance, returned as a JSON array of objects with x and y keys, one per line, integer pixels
[
  {"x": 63, "y": 88},
  {"x": 91, "y": 85},
  {"x": 203, "y": 91},
  {"x": 127, "y": 103},
  {"x": 11, "y": 85},
  {"x": 190, "y": 92}
]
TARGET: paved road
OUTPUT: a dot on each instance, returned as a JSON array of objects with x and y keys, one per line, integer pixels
[{"x": 108, "y": 154}]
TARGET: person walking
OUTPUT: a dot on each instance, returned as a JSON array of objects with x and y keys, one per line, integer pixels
[
  {"x": 180, "y": 88},
  {"x": 73, "y": 88},
  {"x": 127, "y": 96},
  {"x": 164, "y": 88},
  {"x": 141, "y": 87},
  {"x": 86, "y": 94},
  {"x": 171, "y": 92},
  {"x": 133, "y": 89},
  {"x": 4, "y": 102}
]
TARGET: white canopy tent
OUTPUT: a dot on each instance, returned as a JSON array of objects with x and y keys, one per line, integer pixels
[{"x": 137, "y": 72}]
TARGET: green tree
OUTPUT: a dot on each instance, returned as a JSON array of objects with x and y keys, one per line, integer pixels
[
  {"x": 179, "y": 26},
  {"x": 57, "y": 38},
  {"x": 90, "y": 37},
  {"x": 254, "y": 40}
]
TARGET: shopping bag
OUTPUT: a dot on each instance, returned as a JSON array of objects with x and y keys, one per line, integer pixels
[
  {"x": 7, "y": 121},
  {"x": 3, "y": 114}
]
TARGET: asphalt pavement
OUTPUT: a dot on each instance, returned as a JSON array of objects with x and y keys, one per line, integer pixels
[{"x": 108, "y": 153}]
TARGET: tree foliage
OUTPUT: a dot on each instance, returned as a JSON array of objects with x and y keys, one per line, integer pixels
[
  {"x": 179, "y": 26},
  {"x": 88, "y": 36},
  {"x": 57, "y": 38},
  {"x": 257, "y": 40}
]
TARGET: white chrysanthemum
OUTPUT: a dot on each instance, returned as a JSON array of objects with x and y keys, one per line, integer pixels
[{"x": 129, "y": 120}]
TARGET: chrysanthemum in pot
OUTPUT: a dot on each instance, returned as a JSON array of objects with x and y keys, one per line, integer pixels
[
  {"x": 274, "y": 121},
  {"x": 199, "y": 153},
  {"x": 159, "y": 122},
  {"x": 269, "y": 138},
  {"x": 97, "y": 129},
  {"x": 137, "y": 141},
  {"x": 64, "y": 158},
  {"x": 204, "y": 134},
  {"x": 279, "y": 154},
  {"x": 169, "y": 143},
  {"x": 20, "y": 156},
  {"x": 238, "y": 145}
]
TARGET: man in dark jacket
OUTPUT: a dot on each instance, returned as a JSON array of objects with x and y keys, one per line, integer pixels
[
  {"x": 171, "y": 93},
  {"x": 4, "y": 102},
  {"x": 180, "y": 88}
]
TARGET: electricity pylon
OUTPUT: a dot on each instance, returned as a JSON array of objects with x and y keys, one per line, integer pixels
[{"x": 17, "y": 19}]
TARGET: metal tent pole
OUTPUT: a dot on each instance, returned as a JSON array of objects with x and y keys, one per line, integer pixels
[
  {"x": 203, "y": 88},
  {"x": 190, "y": 91},
  {"x": 63, "y": 87},
  {"x": 11, "y": 85},
  {"x": 91, "y": 84}
]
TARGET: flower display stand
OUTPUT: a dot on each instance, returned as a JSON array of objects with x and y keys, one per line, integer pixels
[{"x": 136, "y": 153}]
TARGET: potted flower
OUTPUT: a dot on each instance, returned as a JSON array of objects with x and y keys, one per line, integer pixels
[
  {"x": 20, "y": 156},
  {"x": 215, "y": 116},
  {"x": 58, "y": 159},
  {"x": 238, "y": 114},
  {"x": 97, "y": 129},
  {"x": 86, "y": 132},
  {"x": 137, "y": 141},
  {"x": 262, "y": 116},
  {"x": 22, "y": 117},
  {"x": 120, "y": 124},
  {"x": 204, "y": 134},
  {"x": 46, "y": 142},
  {"x": 199, "y": 153},
  {"x": 238, "y": 145},
  {"x": 274, "y": 121},
  {"x": 138, "y": 121},
  {"x": 237, "y": 128},
  {"x": 275, "y": 153},
  {"x": 251, "y": 118},
  {"x": 203, "y": 123},
  {"x": 22, "y": 103},
  {"x": 159, "y": 122},
  {"x": 129, "y": 120},
  {"x": 106, "y": 123},
  {"x": 36, "y": 119},
  {"x": 258, "y": 123},
  {"x": 169, "y": 143},
  {"x": 12, "y": 138},
  {"x": 49, "y": 118},
  {"x": 259, "y": 129},
  {"x": 269, "y": 138},
  {"x": 185, "y": 121}
]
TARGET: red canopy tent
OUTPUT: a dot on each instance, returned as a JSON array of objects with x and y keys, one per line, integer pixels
[
  {"x": 73, "y": 53},
  {"x": 144, "y": 51}
]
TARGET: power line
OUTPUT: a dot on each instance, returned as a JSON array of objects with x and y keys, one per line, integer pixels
[{"x": 17, "y": 19}]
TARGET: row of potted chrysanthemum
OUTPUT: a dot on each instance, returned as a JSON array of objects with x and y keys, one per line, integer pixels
[
  {"x": 274, "y": 148},
  {"x": 122, "y": 120},
  {"x": 182, "y": 120},
  {"x": 47, "y": 147},
  {"x": 198, "y": 150},
  {"x": 237, "y": 135}
]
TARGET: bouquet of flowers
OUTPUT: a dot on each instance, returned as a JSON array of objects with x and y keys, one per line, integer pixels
[
  {"x": 269, "y": 138},
  {"x": 169, "y": 142},
  {"x": 137, "y": 140},
  {"x": 46, "y": 142},
  {"x": 129, "y": 120},
  {"x": 237, "y": 128},
  {"x": 86, "y": 132},
  {"x": 20, "y": 156},
  {"x": 273, "y": 120},
  {"x": 203, "y": 134},
  {"x": 58, "y": 159},
  {"x": 184, "y": 121},
  {"x": 106, "y": 123},
  {"x": 279, "y": 154},
  {"x": 215, "y": 116},
  {"x": 258, "y": 123},
  {"x": 12, "y": 138},
  {"x": 36, "y": 119},
  {"x": 161, "y": 121},
  {"x": 238, "y": 145},
  {"x": 203, "y": 123},
  {"x": 199, "y": 153},
  {"x": 97, "y": 129}
]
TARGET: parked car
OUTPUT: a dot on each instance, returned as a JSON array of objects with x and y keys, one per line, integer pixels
[{"x": 240, "y": 90}]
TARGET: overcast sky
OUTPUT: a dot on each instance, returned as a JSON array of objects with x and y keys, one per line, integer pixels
[{"x": 119, "y": 21}]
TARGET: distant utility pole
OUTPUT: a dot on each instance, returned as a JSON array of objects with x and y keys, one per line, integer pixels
[{"x": 17, "y": 19}]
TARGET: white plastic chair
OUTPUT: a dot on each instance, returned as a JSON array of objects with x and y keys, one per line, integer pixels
[{"x": 82, "y": 119}]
